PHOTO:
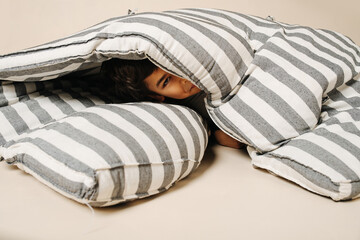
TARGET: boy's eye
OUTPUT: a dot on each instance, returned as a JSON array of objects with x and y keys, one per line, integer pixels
[{"x": 166, "y": 81}]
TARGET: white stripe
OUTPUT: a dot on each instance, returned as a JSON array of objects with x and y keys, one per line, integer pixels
[
  {"x": 78, "y": 151},
  {"x": 322, "y": 43},
  {"x": 131, "y": 169},
  {"x": 256, "y": 28},
  {"x": 48, "y": 161},
  {"x": 228, "y": 66},
  {"x": 42, "y": 57},
  {"x": 212, "y": 48},
  {"x": 308, "y": 81},
  {"x": 342, "y": 154},
  {"x": 339, "y": 105},
  {"x": 188, "y": 170},
  {"x": 187, "y": 58},
  {"x": 203, "y": 139},
  {"x": 280, "y": 169},
  {"x": 50, "y": 107},
  {"x": 270, "y": 115},
  {"x": 10, "y": 93},
  {"x": 248, "y": 129},
  {"x": 105, "y": 185},
  {"x": 288, "y": 95},
  {"x": 357, "y": 77},
  {"x": 348, "y": 91},
  {"x": 74, "y": 103},
  {"x": 342, "y": 117},
  {"x": 222, "y": 22},
  {"x": 94, "y": 99},
  {"x": 309, "y": 161},
  {"x": 26, "y": 115},
  {"x": 347, "y": 70},
  {"x": 335, "y": 40},
  {"x": 131, "y": 178},
  {"x": 158, "y": 127},
  {"x": 328, "y": 73},
  {"x": 49, "y": 184},
  {"x": 220, "y": 124},
  {"x": 148, "y": 146},
  {"x": 121, "y": 149},
  {"x": 185, "y": 134}
]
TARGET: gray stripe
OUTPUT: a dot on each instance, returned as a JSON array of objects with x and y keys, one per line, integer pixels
[
  {"x": 145, "y": 174},
  {"x": 42, "y": 115},
  {"x": 58, "y": 154},
  {"x": 170, "y": 126},
  {"x": 355, "y": 84},
  {"x": 354, "y": 113},
  {"x": 342, "y": 142},
  {"x": 213, "y": 23},
  {"x": 299, "y": 63},
  {"x": 61, "y": 104},
  {"x": 281, "y": 75},
  {"x": 3, "y": 100},
  {"x": 327, "y": 40},
  {"x": 222, "y": 43},
  {"x": 314, "y": 177},
  {"x": 271, "y": 134},
  {"x": 350, "y": 127},
  {"x": 166, "y": 54},
  {"x": 20, "y": 90},
  {"x": 82, "y": 99},
  {"x": 156, "y": 138},
  {"x": 355, "y": 189},
  {"x": 336, "y": 95},
  {"x": 194, "y": 135},
  {"x": 338, "y": 70},
  {"x": 43, "y": 67},
  {"x": 2, "y": 142},
  {"x": 279, "y": 105},
  {"x": 257, "y": 121},
  {"x": 342, "y": 40},
  {"x": 14, "y": 119},
  {"x": 223, "y": 122},
  {"x": 198, "y": 51},
  {"x": 99, "y": 147},
  {"x": 323, "y": 155},
  {"x": 75, "y": 189},
  {"x": 259, "y": 36}
]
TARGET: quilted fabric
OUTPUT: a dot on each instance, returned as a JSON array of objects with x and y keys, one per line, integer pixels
[
  {"x": 107, "y": 154},
  {"x": 289, "y": 92}
]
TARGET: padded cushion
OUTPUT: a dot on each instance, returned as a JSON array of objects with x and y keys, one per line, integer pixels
[
  {"x": 282, "y": 94},
  {"x": 325, "y": 160},
  {"x": 267, "y": 83},
  {"x": 213, "y": 56},
  {"x": 108, "y": 154}
]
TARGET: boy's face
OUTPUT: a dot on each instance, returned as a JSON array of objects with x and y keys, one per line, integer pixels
[{"x": 168, "y": 85}]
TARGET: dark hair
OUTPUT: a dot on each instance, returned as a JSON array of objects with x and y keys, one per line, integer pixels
[{"x": 127, "y": 78}]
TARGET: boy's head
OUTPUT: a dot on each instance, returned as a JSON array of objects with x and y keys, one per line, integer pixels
[{"x": 141, "y": 80}]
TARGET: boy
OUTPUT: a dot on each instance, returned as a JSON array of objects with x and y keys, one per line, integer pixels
[{"x": 141, "y": 80}]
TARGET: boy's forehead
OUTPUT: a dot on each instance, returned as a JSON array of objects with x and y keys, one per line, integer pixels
[{"x": 155, "y": 77}]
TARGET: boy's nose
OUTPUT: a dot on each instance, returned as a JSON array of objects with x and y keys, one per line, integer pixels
[{"x": 187, "y": 85}]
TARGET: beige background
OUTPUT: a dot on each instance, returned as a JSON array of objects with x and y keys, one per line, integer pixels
[
  {"x": 26, "y": 23},
  {"x": 224, "y": 199}
]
